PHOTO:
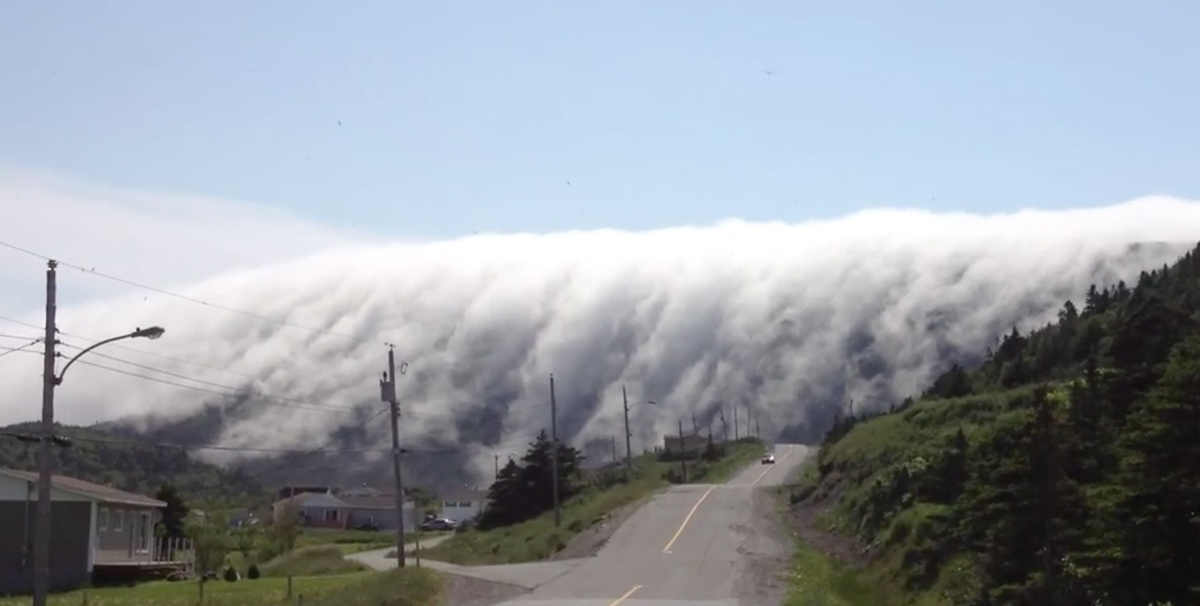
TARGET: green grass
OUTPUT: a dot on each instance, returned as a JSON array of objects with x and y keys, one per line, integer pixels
[
  {"x": 311, "y": 560},
  {"x": 869, "y": 451},
  {"x": 538, "y": 539},
  {"x": 815, "y": 580},
  {"x": 349, "y": 541},
  {"x": 400, "y": 587},
  {"x": 354, "y": 541}
]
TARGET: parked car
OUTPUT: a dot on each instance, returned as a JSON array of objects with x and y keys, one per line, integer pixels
[
  {"x": 769, "y": 459},
  {"x": 368, "y": 525},
  {"x": 439, "y": 524}
]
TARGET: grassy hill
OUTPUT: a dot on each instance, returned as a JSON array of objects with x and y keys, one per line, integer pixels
[
  {"x": 1065, "y": 470},
  {"x": 111, "y": 459}
]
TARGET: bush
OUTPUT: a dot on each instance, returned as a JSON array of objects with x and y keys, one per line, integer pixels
[
  {"x": 231, "y": 575},
  {"x": 252, "y": 572}
]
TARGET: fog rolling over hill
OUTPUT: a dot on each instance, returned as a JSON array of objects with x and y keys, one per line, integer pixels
[{"x": 785, "y": 320}]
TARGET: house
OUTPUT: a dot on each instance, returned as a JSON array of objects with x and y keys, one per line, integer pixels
[
  {"x": 92, "y": 527},
  {"x": 463, "y": 504},
  {"x": 291, "y": 491},
  {"x": 347, "y": 511}
]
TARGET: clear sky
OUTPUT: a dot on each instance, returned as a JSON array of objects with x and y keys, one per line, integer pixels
[{"x": 443, "y": 118}]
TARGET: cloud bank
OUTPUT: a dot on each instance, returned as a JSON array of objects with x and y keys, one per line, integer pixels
[{"x": 783, "y": 322}]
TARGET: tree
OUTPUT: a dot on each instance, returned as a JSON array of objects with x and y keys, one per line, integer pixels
[
  {"x": 245, "y": 539},
  {"x": 506, "y": 499},
  {"x": 525, "y": 490},
  {"x": 174, "y": 514},
  {"x": 210, "y": 537},
  {"x": 285, "y": 527},
  {"x": 1161, "y": 481}
]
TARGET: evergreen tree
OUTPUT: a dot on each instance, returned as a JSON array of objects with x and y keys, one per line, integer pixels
[{"x": 174, "y": 514}]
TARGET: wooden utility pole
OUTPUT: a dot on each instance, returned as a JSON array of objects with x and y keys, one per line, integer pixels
[
  {"x": 735, "y": 423},
  {"x": 387, "y": 389},
  {"x": 628, "y": 437},
  {"x": 41, "y": 531},
  {"x": 682, "y": 452},
  {"x": 554, "y": 452}
]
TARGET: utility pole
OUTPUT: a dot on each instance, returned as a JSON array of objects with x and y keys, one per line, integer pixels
[
  {"x": 735, "y": 423},
  {"x": 497, "y": 456},
  {"x": 682, "y": 452},
  {"x": 41, "y": 546},
  {"x": 628, "y": 437},
  {"x": 554, "y": 452},
  {"x": 614, "y": 448},
  {"x": 387, "y": 389}
]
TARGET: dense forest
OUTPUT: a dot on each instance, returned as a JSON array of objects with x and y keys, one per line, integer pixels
[
  {"x": 98, "y": 456},
  {"x": 1065, "y": 470}
]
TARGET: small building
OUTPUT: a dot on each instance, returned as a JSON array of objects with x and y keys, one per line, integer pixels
[
  {"x": 692, "y": 444},
  {"x": 92, "y": 527},
  {"x": 341, "y": 511},
  {"x": 462, "y": 504}
]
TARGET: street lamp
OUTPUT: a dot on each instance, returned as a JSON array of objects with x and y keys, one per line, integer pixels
[
  {"x": 628, "y": 434},
  {"x": 152, "y": 333},
  {"x": 50, "y": 380}
]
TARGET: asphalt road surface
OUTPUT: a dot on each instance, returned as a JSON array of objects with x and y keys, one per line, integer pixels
[{"x": 693, "y": 544}]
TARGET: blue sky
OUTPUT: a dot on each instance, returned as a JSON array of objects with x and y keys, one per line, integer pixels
[{"x": 442, "y": 118}]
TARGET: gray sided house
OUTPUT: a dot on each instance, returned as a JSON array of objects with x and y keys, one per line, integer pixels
[
  {"x": 91, "y": 526},
  {"x": 348, "y": 511}
]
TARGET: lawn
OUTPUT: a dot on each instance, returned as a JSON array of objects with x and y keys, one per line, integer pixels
[
  {"x": 401, "y": 587},
  {"x": 538, "y": 539},
  {"x": 354, "y": 541}
]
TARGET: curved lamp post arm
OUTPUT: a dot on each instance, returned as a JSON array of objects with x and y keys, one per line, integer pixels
[{"x": 151, "y": 333}]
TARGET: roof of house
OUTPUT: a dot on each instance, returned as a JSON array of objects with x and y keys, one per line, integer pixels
[
  {"x": 98, "y": 492},
  {"x": 463, "y": 494},
  {"x": 380, "y": 501},
  {"x": 383, "y": 501}
]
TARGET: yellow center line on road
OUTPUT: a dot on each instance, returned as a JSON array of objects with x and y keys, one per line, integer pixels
[
  {"x": 618, "y": 601},
  {"x": 768, "y": 470},
  {"x": 691, "y": 513}
]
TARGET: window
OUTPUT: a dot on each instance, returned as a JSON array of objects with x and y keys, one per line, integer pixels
[
  {"x": 464, "y": 503},
  {"x": 331, "y": 515},
  {"x": 103, "y": 521},
  {"x": 448, "y": 504},
  {"x": 120, "y": 520}
]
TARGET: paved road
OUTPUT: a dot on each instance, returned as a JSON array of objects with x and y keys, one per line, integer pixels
[{"x": 690, "y": 545}]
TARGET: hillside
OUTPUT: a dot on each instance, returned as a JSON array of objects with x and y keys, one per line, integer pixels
[
  {"x": 1064, "y": 470},
  {"x": 108, "y": 458}
]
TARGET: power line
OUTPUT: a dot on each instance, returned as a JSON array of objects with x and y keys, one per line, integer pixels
[
  {"x": 226, "y": 391},
  {"x": 17, "y": 337},
  {"x": 231, "y": 449},
  {"x": 136, "y": 350},
  {"x": 4, "y": 351},
  {"x": 229, "y": 391},
  {"x": 285, "y": 402},
  {"x": 249, "y": 314}
]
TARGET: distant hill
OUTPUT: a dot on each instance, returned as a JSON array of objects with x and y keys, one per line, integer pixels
[
  {"x": 112, "y": 458},
  {"x": 1063, "y": 470}
]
